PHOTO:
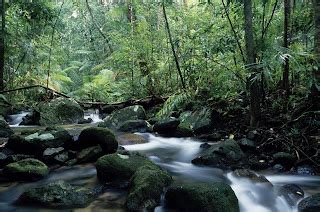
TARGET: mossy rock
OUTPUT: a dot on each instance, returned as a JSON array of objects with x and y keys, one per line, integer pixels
[
  {"x": 146, "y": 187},
  {"x": 118, "y": 117},
  {"x": 166, "y": 126},
  {"x": 202, "y": 197},
  {"x": 38, "y": 142},
  {"x": 90, "y": 154},
  {"x": 5, "y": 106},
  {"x": 116, "y": 167},
  {"x": 225, "y": 153},
  {"x": 285, "y": 159},
  {"x": 93, "y": 136},
  {"x": 59, "y": 111},
  {"x": 26, "y": 170},
  {"x": 57, "y": 194},
  {"x": 5, "y": 130},
  {"x": 198, "y": 121},
  {"x": 134, "y": 126}
]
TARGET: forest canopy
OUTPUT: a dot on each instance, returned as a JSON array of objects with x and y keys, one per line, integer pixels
[{"x": 110, "y": 51}]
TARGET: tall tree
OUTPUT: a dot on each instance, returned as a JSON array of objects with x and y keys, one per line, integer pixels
[
  {"x": 253, "y": 83},
  {"x": 172, "y": 46},
  {"x": 286, "y": 43},
  {"x": 2, "y": 43}
]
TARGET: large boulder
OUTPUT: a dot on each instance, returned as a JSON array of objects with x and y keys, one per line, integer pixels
[
  {"x": 310, "y": 204},
  {"x": 26, "y": 170},
  {"x": 5, "y": 130},
  {"x": 200, "y": 197},
  {"x": 134, "y": 126},
  {"x": 59, "y": 111},
  {"x": 146, "y": 187},
  {"x": 118, "y": 117},
  {"x": 225, "y": 153},
  {"x": 248, "y": 174},
  {"x": 117, "y": 167},
  {"x": 57, "y": 195},
  {"x": 37, "y": 142},
  {"x": 166, "y": 126},
  {"x": 199, "y": 121},
  {"x": 90, "y": 154},
  {"x": 93, "y": 136}
]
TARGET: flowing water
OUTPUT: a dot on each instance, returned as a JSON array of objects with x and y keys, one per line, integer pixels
[
  {"x": 16, "y": 119},
  {"x": 174, "y": 155}
]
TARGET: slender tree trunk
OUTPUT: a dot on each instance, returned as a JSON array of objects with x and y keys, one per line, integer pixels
[
  {"x": 286, "y": 43},
  {"x": 2, "y": 43},
  {"x": 51, "y": 44},
  {"x": 172, "y": 47},
  {"x": 253, "y": 83}
]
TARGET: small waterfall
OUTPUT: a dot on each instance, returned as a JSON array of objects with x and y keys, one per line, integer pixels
[
  {"x": 16, "y": 119},
  {"x": 94, "y": 115}
]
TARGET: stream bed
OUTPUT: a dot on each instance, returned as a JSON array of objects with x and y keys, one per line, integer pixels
[{"x": 174, "y": 155}]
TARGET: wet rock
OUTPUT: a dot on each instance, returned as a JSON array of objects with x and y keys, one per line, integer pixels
[
  {"x": 305, "y": 170},
  {"x": 146, "y": 186},
  {"x": 246, "y": 173},
  {"x": 202, "y": 197},
  {"x": 310, "y": 204},
  {"x": 253, "y": 135},
  {"x": 59, "y": 111},
  {"x": 182, "y": 132},
  {"x": 5, "y": 130},
  {"x": 37, "y": 142},
  {"x": 134, "y": 126},
  {"x": 17, "y": 157},
  {"x": 26, "y": 170},
  {"x": 292, "y": 193},
  {"x": 130, "y": 138},
  {"x": 199, "y": 121},
  {"x": 85, "y": 121},
  {"x": 116, "y": 167},
  {"x": 71, "y": 162},
  {"x": 225, "y": 153},
  {"x": 278, "y": 168},
  {"x": 93, "y": 136},
  {"x": 247, "y": 144},
  {"x": 57, "y": 195},
  {"x": 31, "y": 119},
  {"x": 283, "y": 158},
  {"x": 205, "y": 146},
  {"x": 61, "y": 158},
  {"x": 49, "y": 152},
  {"x": 90, "y": 154},
  {"x": 166, "y": 126},
  {"x": 118, "y": 117}
]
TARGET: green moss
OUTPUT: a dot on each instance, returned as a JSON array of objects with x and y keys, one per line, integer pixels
[
  {"x": 27, "y": 169},
  {"x": 57, "y": 194},
  {"x": 118, "y": 167},
  {"x": 200, "y": 197},
  {"x": 98, "y": 136},
  {"x": 147, "y": 185}
]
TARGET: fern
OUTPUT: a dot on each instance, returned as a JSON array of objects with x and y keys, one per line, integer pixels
[{"x": 173, "y": 103}]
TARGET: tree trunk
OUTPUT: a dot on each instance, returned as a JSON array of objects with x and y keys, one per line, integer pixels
[
  {"x": 172, "y": 47},
  {"x": 2, "y": 43},
  {"x": 286, "y": 43},
  {"x": 253, "y": 83}
]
